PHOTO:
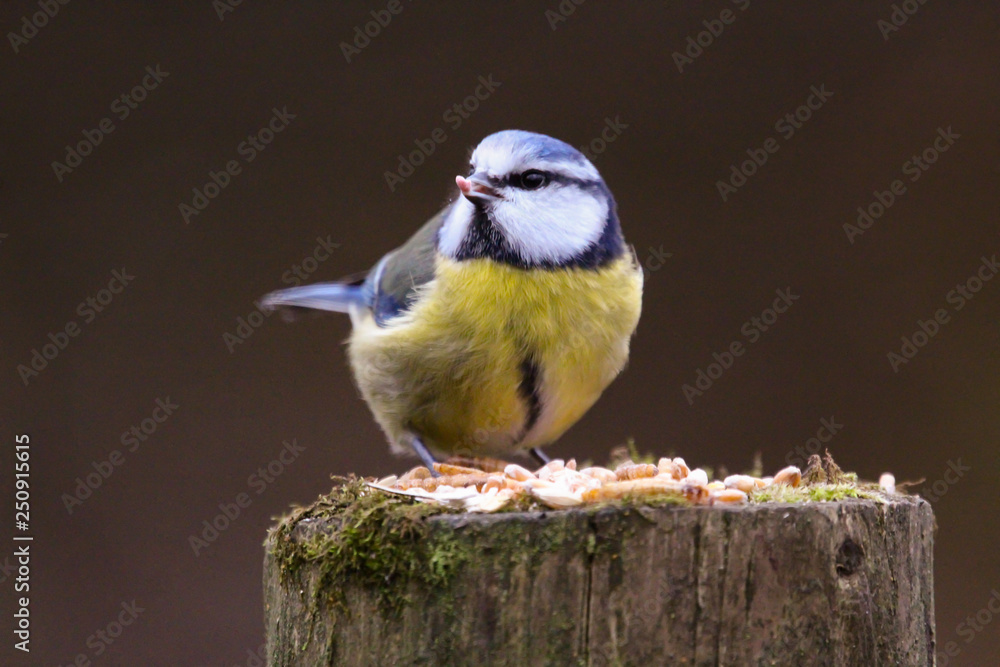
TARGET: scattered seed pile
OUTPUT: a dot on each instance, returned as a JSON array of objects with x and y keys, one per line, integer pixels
[{"x": 495, "y": 485}]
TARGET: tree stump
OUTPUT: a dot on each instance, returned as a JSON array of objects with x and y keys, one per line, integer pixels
[{"x": 838, "y": 583}]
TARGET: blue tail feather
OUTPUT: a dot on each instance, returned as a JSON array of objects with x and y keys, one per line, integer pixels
[{"x": 333, "y": 297}]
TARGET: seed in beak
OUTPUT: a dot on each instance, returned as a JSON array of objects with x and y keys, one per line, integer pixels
[{"x": 476, "y": 188}]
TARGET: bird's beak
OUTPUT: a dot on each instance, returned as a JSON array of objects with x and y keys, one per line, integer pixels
[{"x": 476, "y": 188}]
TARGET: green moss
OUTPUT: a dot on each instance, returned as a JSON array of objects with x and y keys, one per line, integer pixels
[
  {"x": 819, "y": 492},
  {"x": 523, "y": 503},
  {"x": 662, "y": 500},
  {"x": 378, "y": 541}
]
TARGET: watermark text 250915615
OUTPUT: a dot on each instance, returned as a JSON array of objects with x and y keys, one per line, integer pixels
[{"x": 22, "y": 553}]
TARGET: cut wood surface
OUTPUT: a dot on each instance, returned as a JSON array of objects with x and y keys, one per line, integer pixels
[{"x": 838, "y": 583}]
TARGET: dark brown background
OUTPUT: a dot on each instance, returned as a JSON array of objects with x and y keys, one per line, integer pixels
[{"x": 324, "y": 176}]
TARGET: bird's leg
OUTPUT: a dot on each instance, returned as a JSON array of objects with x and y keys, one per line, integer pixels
[
  {"x": 539, "y": 455},
  {"x": 423, "y": 453}
]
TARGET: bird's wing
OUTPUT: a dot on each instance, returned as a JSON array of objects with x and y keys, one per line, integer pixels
[
  {"x": 388, "y": 289},
  {"x": 395, "y": 279}
]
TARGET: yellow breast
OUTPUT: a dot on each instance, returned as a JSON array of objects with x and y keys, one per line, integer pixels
[{"x": 452, "y": 368}]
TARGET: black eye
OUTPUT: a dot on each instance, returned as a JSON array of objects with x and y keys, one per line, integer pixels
[{"x": 533, "y": 179}]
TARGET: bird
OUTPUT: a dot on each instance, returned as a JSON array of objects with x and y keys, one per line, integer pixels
[{"x": 500, "y": 322}]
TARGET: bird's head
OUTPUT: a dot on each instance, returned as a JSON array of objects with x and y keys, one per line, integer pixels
[{"x": 531, "y": 201}]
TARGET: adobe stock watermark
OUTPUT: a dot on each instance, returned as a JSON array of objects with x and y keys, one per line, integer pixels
[
  {"x": 828, "y": 429},
  {"x": 562, "y": 12},
  {"x": 131, "y": 440},
  {"x": 257, "y": 482},
  {"x": 753, "y": 329},
  {"x": 900, "y": 14},
  {"x": 957, "y": 298},
  {"x": 296, "y": 275},
  {"x": 454, "y": 116},
  {"x": 223, "y": 7},
  {"x": 612, "y": 129},
  {"x": 364, "y": 34},
  {"x": 32, "y": 23},
  {"x": 969, "y": 629},
  {"x": 248, "y": 149},
  {"x": 122, "y": 107},
  {"x": 953, "y": 474},
  {"x": 914, "y": 168},
  {"x": 786, "y": 126},
  {"x": 696, "y": 44},
  {"x": 655, "y": 260},
  {"x": 88, "y": 309},
  {"x": 256, "y": 658},
  {"x": 104, "y": 637}
]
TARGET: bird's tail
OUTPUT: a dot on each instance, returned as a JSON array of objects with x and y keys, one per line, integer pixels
[{"x": 332, "y": 297}]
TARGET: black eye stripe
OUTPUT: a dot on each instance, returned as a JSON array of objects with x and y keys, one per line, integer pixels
[
  {"x": 512, "y": 180},
  {"x": 551, "y": 176}
]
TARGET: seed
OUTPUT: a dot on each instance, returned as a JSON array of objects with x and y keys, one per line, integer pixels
[
  {"x": 452, "y": 481},
  {"x": 461, "y": 498},
  {"x": 573, "y": 480},
  {"x": 790, "y": 476},
  {"x": 694, "y": 493},
  {"x": 517, "y": 472},
  {"x": 887, "y": 482},
  {"x": 494, "y": 482},
  {"x": 636, "y": 471},
  {"x": 697, "y": 476},
  {"x": 600, "y": 474},
  {"x": 729, "y": 496},
  {"x": 556, "y": 497},
  {"x": 546, "y": 470},
  {"x": 744, "y": 483},
  {"x": 513, "y": 485},
  {"x": 488, "y": 485},
  {"x": 491, "y": 502},
  {"x": 419, "y": 472},
  {"x": 668, "y": 467},
  {"x": 481, "y": 463},
  {"x": 449, "y": 469},
  {"x": 583, "y": 484},
  {"x": 647, "y": 486}
]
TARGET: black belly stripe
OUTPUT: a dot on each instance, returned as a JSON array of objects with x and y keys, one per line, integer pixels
[{"x": 528, "y": 389}]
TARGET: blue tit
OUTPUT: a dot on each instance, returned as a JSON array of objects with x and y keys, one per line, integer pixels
[{"x": 500, "y": 322}]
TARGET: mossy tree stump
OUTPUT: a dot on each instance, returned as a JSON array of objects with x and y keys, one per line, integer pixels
[{"x": 840, "y": 583}]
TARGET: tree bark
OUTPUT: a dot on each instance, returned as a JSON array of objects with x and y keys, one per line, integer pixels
[{"x": 838, "y": 583}]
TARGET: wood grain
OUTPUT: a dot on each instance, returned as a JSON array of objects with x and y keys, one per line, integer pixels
[{"x": 840, "y": 583}]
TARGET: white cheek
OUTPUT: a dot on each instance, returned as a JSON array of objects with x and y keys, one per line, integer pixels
[
  {"x": 455, "y": 227},
  {"x": 552, "y": 225}
]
